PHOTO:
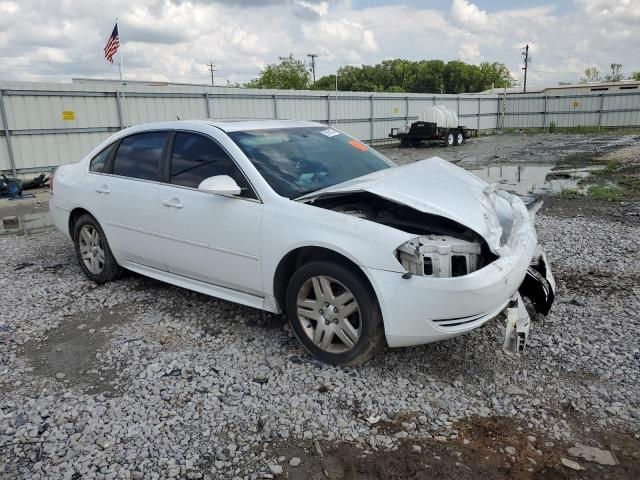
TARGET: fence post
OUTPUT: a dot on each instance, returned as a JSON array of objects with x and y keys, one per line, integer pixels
[
  {"x": 328, "y": 109},
  {"x": 544, "y": 118},
  {"x": 7, "y": 136},
  {"x": 479, "y": 109},
  {"x": 458, "y": 106},
  {"x": 406, "y": 111},
  {"x": 371, "y": 107},
  {"x": 206, "y": 99},
  {"x": 119, "y": 106},
  {"x": 275, "y": 106},
  {"x": 601, "y": 109}
]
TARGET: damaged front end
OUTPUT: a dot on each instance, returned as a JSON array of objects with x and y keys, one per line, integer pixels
[{"x": 479, "y": 240}]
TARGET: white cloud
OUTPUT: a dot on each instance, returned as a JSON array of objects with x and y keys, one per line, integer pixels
[{"x": 175, "y": 39}]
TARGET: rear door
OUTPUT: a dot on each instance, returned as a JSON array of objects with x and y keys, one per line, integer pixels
[
  {"x": 207, "y": 237},
  {"x": 128, "y": 198}
]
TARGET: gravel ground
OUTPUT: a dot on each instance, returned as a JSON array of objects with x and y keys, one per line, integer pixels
[{"x": 140, "y": 379}]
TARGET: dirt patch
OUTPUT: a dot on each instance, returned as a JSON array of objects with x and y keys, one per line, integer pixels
[
  {"x": 68, "y": 354},
  {"x": 487, "y": 447}
]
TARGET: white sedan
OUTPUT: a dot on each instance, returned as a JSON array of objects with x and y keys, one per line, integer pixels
[{"x": 298, "y": 218}]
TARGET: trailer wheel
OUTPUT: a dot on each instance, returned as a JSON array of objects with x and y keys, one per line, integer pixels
[
  {"x": 415, "y": 143},
  {"x": 458, "y": 138},
  {"x": 404, "y": 142},
  {"x": 449, "y": 140}
]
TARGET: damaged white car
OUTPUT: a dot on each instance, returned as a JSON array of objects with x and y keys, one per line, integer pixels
[{"x": 297, "y": 218}]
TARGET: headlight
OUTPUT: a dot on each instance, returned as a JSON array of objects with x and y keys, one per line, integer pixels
[{"x": 439, "y": 256}]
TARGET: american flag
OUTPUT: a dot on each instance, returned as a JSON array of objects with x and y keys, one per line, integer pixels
[{"x": 112, "y": 45}]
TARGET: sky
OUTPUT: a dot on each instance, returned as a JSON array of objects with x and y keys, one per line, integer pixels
[{"x": 174, "y": 40}]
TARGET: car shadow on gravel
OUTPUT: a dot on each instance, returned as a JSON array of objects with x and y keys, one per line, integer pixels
[
  {"x": 487, "y": 447},
  {"x": 69, "y": 353}
]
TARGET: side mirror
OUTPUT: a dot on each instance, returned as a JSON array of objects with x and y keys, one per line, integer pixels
[{"x": 220, "y": 185}]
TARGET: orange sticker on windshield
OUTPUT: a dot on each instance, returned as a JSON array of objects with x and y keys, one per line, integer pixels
[{"x": 360, "y": 146}]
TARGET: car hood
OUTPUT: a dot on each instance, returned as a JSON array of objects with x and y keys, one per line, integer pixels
[{"x": 433, "y": 186}]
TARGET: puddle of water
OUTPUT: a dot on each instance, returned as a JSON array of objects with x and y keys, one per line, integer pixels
[
  {"x": 526, "y": 179},
  {"x": 26, "y": 223}
]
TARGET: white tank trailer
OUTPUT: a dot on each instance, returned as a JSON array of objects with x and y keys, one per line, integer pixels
[{"x": 435, "y": 124}]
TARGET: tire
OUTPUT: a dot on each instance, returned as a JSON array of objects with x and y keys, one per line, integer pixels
[
  {"x": 93, "y": 251},
  {"x": 449, "y": 140},
  {"x": 458, "y": 138},
  {"x": 416, "y": 143},
  {"x": 404, "y": 142},
  {"x": 355, "y": 337}
]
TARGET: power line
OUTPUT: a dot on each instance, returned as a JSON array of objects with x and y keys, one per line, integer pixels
[{"x": 313, "y": 65}]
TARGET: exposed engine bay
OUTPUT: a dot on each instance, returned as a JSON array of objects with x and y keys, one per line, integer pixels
[{"x": 443, "y": 248}]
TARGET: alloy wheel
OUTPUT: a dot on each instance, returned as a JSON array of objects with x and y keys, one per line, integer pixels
[
  {"x": 329, "y": 314},
  {"x": 91, "y": 249}
]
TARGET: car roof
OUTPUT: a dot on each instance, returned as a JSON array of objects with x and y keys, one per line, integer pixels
[{"x": 226, "y": 125}]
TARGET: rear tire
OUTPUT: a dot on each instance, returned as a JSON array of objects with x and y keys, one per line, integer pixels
[
  {"x": 449, "y": 140},
  {"x": 334, "y": 314},
  {"x": 458, "y": 138},
  {"x": 93, "y": 251}
]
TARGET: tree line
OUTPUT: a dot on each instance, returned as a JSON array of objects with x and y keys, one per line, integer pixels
[
  {"x": 593, "y": 75},
  {"x": 397, "y": 75}
]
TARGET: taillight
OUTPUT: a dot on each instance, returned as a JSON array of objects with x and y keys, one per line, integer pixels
[{"x": 53, "y": 173}]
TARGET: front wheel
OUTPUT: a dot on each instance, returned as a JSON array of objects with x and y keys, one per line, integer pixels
[
  {"x": 334, "y": 314},
  {"x": 458, "y": 138},
  {"x": 93, "y": 252}
]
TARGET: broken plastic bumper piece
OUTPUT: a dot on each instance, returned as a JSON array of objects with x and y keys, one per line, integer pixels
[{"x": 539, "y": 286}]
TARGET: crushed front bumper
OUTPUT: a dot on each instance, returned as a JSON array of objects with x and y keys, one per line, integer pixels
[{"x": 418, "y": 310}]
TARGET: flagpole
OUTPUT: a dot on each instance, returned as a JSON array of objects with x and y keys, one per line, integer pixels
[{"x": 122, "y": 80}]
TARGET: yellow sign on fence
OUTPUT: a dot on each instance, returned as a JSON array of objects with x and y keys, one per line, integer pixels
[
  {"x": 68, "y": 115},
  {"x": 576, "y": 104}
]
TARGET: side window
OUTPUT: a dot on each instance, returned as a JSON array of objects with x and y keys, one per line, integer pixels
[
  {"x": 98, "y": 162},
  {"x": 139, "y": 156},
  {"x": 196, "y": 157}
]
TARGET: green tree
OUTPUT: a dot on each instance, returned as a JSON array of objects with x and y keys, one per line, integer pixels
[
  {"x": 616, "y": 73},
  {"x": 635, "y": 76},
  {"x": 290, "y": 73},
  {"x": 425, "y": 76},
  {"x": 591, "y": 74}
]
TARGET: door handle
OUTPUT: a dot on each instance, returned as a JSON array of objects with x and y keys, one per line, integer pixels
[
  {"x": 173, "y": 203},
  {"x": 103, "y": 189}
]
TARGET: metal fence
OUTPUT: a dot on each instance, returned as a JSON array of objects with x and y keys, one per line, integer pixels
[
  {"x": 616, "y": 109},
  {"x": 43, "y": 125}
]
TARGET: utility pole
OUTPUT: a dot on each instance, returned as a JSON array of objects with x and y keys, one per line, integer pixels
[
  {"x": 212, "y": 68},
  {"x": 526, "y": 66},
  {"x": 313, "y": 65}
]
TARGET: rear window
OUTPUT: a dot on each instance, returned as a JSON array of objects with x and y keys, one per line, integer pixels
[
  {"x": 99, "y": 161},
  {"x": 139, "y": 156}
]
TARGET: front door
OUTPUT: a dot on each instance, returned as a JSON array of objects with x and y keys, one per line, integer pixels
[{"x": 207, "y": 237}]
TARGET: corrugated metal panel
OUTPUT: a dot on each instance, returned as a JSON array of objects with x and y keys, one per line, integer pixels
[
  {"x": 5, "y": 164},
  {"x": 49, "y": 150},
  {"x": 29, "y": 112}
]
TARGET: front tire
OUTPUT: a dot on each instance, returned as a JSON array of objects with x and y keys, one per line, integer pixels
[
  {"x": 458, "y": 138},
  {"x": 334, "y": 314},
  {"x": 93, "y": 251}
]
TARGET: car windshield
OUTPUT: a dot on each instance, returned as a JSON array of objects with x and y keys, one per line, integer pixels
[{"x": 297, "y": 161}]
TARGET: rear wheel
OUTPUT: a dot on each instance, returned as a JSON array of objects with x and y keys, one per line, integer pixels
[
  {"x": 458, "y": 138},
  {"x": 93, "y": 252},
  {"x": 449, "y": 139},
  {"x": 334, "y": 314}
]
